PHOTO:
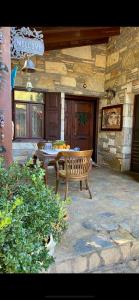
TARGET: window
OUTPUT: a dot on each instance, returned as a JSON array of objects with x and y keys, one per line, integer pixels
[{"x": 29, "y": 114}]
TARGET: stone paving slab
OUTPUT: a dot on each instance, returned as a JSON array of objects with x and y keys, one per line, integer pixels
[
  {"x": 131, "y": 266},
  {"x": 102, "y": 231}
]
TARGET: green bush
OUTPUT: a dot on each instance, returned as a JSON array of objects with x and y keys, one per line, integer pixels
[{"x": 29, "y": 212}]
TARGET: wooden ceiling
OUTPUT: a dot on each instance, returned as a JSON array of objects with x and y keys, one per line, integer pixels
[{"x": 67, "y": 37}]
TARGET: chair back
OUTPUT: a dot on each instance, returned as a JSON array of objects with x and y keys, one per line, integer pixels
[
  {"x": 77, "y": 163},
  {"x": 41, "y": 145}
]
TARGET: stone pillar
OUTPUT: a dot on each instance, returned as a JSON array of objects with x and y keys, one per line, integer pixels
[
  {"x": 62, "y": 115},
  {"x": 127, "y": 127},
  {"x": 5, "y": 95}
]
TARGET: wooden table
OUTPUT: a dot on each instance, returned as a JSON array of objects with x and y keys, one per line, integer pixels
[
  {"x": 48, "y": 159},
  {"x": 44, "y": 156}
]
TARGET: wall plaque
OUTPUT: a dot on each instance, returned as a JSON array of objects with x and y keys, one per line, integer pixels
[{"x": 25, "y": 41}]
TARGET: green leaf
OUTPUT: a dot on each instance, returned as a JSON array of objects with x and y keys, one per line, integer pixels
[
  {"x": 82, "y": 117},
  {"x": 29, "y": 212}
]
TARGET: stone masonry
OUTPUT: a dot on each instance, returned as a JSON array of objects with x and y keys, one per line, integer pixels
[
  {"x": 66, "y": 70},
  {"x": 122, "y": 74}
]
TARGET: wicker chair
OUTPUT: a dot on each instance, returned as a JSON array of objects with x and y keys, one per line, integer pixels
[
  {"x": 52, "y": 162},
  {"x": 76, "y": 168},
  {"x": 41, "y": 145}
]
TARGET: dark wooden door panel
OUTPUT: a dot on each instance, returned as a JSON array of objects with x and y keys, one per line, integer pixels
[
  {"x": 82, "y": 124},
  {"x": 53, "y": 116},
  {"x": 53, "y": 101},
  {"x": 135, "y": 138},
  {"x": 52, "y": 129},
  {"x": 79, "y": 116}
]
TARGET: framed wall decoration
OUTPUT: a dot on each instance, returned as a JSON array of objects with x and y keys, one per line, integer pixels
[{"x": 112, "y": 118}]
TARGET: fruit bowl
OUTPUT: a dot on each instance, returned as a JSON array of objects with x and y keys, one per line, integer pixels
[{"x": 60, "y": 145}]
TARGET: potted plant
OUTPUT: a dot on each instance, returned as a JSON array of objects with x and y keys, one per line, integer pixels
[{"x": 32, "y": 219}]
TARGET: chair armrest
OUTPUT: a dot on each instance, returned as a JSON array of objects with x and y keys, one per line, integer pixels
[{"x": 59, "y": 155}]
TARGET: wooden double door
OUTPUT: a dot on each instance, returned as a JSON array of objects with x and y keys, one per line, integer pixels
[{"x": 80, "y": 122}]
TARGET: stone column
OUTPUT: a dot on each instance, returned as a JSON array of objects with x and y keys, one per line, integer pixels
[
  {"x": 127, "y": 128},
  {"x": 5, "y": 95},
  {"x": 62, "y": 115}
]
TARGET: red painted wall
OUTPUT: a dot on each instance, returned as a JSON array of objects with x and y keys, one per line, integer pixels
[{"x": 5, "y": 95}]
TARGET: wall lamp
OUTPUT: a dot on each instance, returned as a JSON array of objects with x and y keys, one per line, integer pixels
[{"x": 110, "y": 93}]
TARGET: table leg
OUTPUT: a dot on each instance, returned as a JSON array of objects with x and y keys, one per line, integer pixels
[{"x": 46, "y": 174}]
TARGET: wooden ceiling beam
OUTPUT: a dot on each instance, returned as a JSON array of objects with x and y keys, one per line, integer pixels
[
  {"x": 78, "y": 34},
  {"x": 69, "y": 44},
  {"x": 79, "y": 28},
  {"x": 67, "y": 37}
]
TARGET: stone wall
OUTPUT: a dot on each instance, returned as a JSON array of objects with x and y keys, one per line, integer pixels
[
  {"x": 66, "y": 70},
  {"x": 122, "y": 74},
  {"x": 23, "y": 150}
]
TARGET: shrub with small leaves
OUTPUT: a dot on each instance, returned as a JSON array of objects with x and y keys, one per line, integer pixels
[{"x": 29, "y": 212}]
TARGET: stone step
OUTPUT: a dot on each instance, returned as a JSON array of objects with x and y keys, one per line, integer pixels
[
  {"x": 92, "y": 262},
  {"x": 129, "y": 266}
]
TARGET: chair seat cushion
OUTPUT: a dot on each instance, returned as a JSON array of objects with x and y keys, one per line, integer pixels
[{"x": 62, "y": 173}]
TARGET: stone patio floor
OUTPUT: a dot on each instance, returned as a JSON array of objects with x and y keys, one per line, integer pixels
[{"x": 103, "y": 231}]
